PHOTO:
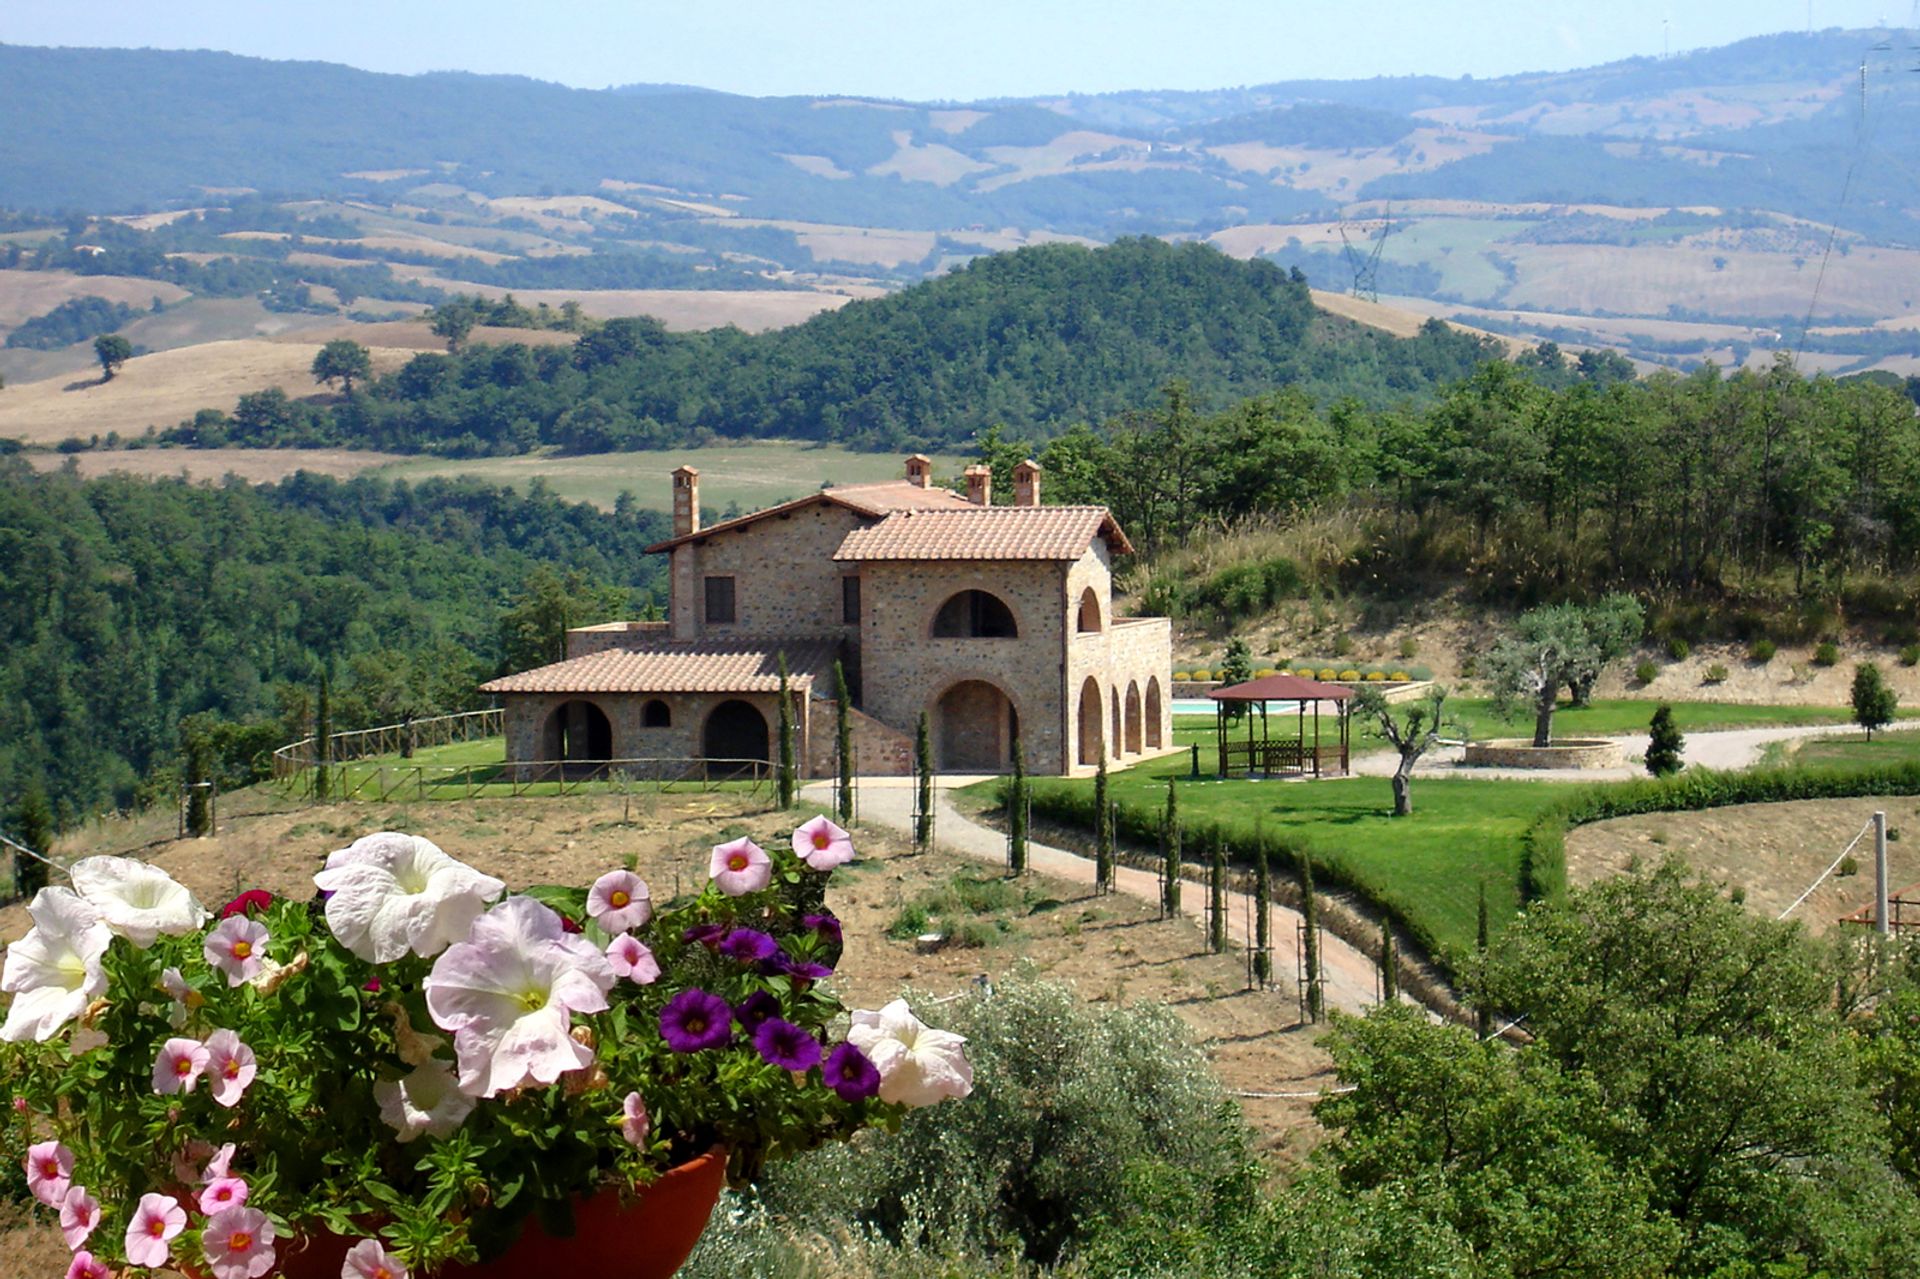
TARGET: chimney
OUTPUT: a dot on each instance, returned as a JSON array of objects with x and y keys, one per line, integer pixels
[
  {"x": 920, "y": 470},
  {"x": 1026, "y": 483},
  {"x": 686, "y": 501},
  {"x": 980, "y": 485}
]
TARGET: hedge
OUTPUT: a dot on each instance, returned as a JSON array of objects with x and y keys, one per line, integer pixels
[{"x": 1543, "y": 847}]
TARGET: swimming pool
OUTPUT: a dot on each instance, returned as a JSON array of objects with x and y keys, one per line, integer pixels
[{"x": 1205, "y": 705}]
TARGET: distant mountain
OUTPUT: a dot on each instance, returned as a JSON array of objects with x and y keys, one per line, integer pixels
[{"x": 1765, "y": 123}]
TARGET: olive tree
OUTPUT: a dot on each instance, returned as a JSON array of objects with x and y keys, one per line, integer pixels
[
  {"x": 1562, "y": 646},
  {"x": 1411, "y": 729}
]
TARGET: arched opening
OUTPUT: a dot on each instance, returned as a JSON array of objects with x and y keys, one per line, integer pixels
[
  {"x": 975, "y": 615},
  {"x": 655, "y": 714},
  {"x": 735, "y": 735},
  {"x": 974, "y": 729},
  {"x": 1089, "y": 610},
  {"x": 1092, "y": 744},
  {"x": 1133, "y": 718},
  {"x": 576, "y": 730},
  {"x": 1117, "y": 738},
  {"x": 1154, "y": 713}
]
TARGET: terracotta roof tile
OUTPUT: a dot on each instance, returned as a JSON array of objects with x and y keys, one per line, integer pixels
[
  {"x": 985, "y": 533},
  {"x": 714, "y": 666},
  {"x": 867, "y": 499}
]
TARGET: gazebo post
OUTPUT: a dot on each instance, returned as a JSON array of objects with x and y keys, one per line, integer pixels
[
  {"x": 1316, "y": 738},
  {"x": 1220, "y": 733}
]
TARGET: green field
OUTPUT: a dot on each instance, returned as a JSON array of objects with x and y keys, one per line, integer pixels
[
  {"x": 1607, "y": 716},
  {"x": 1855, "y": 751},
  {"x": 738, "y": 478},
  {"x": 477, "y": 770}
]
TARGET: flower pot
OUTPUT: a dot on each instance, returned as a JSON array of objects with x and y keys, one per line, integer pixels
[{"x": 647, "y": 1237}]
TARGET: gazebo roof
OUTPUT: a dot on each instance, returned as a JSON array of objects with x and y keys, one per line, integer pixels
[{"x": 1282, "y": 688}]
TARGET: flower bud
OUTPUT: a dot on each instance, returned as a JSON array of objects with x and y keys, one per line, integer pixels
[{"x": 583, "y": 1035}]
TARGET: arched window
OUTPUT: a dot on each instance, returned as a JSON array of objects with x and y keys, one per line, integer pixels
[
  {"x": 1092, "y": 744},
  {"x": 655, "y": 714},
  {"x": 974, "y": 615},
  {"x": 1154, "y": 713},
  {"x": 1089, "y": 610}
]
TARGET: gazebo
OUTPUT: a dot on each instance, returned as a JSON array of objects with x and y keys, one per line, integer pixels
[{"x": 1271, "y": 755}]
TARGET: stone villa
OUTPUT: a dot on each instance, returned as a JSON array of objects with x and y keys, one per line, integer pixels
[{"x": 994, "y": 620}]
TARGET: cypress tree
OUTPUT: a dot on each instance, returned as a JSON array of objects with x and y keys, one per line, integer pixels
[
  {"x": 786, "y": 737},
  {"x": 1017, "y": 812},
  {"x": 1217, "y": 890},
  {"x": 1665, "y": 743},
  {"x": 1262, "y": 916},
  {"x": 843, "y": 737},
  {"x": 923, "y": 763},
  {"x": 1170, "y": 853},
  {"x": 32, "y": 826},
  {"x": 322, "y": 741},
  {"x": 1389, "y": 964},
  {"x": 1483, "y": 1019},
  {"x": 1310, "y": 911},
  {"x": 1102, "y": 832}
]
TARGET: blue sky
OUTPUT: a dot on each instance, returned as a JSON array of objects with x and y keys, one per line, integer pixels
[{"x": 914, "y": 49}]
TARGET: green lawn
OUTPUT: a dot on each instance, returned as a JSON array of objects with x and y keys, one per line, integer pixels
[
  {"x": 477, "y": 770},
  {"x": 749, "y": 476},
  {"x": 1855, "y": 751},
  {"x": 1607, "y": 716}
]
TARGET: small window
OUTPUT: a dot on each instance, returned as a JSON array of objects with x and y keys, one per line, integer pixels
[
  {"x": 720, "y": 600},
  {"x": 974, "y": 615},
  {"x": 656, "y": 715},
  {"x": 850, "y": 600}
]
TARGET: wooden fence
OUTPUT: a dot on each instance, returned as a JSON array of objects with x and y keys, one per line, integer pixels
[
  {"x": 388, "y": 739},
  {"x": 403, "y": 781}
]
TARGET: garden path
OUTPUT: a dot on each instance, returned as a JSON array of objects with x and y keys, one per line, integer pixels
[{"x": 1351, "y": 983}]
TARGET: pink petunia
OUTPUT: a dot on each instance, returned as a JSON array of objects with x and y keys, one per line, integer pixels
[
  {"x": 156, "y": 1221},
  {"x": 79, "y": 1214},
  {"x": 619, "y": 900},
  {"x": 634, "y": 1121},
  {"x": 179, "y": 1066},
  {"x": 822, "y": 845},
  {"x": 221, "y": 1193},
  {"x": 632, "y": 960},
  {"x": 86, "y": 1267},
  {"x": 237, "y": 946},
  {"x": 49, "y": 1172},
  {"x": 238, "y": 1243},
  {"x": 741, "y": 867},
  {"x": 218, "y": 1163},
  {"x": 369, "y": 1259},
  {"x": 230, "y": 1065}
]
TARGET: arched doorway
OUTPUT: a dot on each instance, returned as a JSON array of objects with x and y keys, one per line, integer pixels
[
  {"x": 1092, "y": 743},
  {"x": 1118, "y": 735},
  {"x": 1154, "y": 713},
  {"x": 735, "y": 736},
  {"x": 1133, "y": 718},
  {"x": 975, "y": 728},
  {"x": 576, "y": 730},
  {"x": 1089, "y": 611},
  {"x": 975, "y": 615}
]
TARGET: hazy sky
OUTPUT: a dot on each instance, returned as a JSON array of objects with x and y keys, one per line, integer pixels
[{"x": 914, "y": 49}]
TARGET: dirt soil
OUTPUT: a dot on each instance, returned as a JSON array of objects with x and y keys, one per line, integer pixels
[
  {"x": 1112, "y": 949},
  {"x": 1772, "y": 851}
]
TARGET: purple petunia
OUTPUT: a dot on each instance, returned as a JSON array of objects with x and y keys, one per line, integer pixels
[
  {"x": 755, "y": 1009},
  {"x": 849, "y": 1073},
  {"x": 693, "y": 1020},
  {"x": 804, "y": 969},
  {"x": 707, "y": 935},
  {"x": 787, "y": 1046},
  {"x": 826, "y": 925},
  {"x": 748, "y": 945}
]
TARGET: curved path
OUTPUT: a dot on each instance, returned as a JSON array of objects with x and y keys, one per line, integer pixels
[{"x": 1351, "y": 977}]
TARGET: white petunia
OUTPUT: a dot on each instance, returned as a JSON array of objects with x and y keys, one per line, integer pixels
[
  {"x": 392, "y": 893},
  {"x": 139, "y": 902},
  {"x": 428, "y": 1102},
  {"x": 918, "y": 1065},
  {"x": 54, "y": 971},
  {"x": 508, "y": 993}
]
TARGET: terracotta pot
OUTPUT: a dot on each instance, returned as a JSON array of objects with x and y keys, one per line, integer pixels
[{"x": 648, "y": 1237}]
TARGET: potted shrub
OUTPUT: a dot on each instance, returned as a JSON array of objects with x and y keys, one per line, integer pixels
[{"x": 417, "y": 1073}]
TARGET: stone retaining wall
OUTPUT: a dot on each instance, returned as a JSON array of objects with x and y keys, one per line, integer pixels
[{"x": 1520, "y": 752}]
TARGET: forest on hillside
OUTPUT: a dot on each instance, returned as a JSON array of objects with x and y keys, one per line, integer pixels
[
  {"x": 128, "y": 605},
  {"x": 1036, "y": 340},
  {"x": 1757, "y": 504}
]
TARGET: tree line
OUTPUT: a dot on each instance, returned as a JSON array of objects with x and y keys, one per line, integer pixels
[{"x": 128, "y": 606}]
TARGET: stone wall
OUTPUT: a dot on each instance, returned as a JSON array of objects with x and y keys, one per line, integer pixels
[
  {"x": 1520, "y": 752},
  {"x": 785, "y": 581},
  {"x": 526, "y": 716},
  {"x": 1129, "y": 661},
  {"x": 879, "y": 750},
  {"x": 582, "y": 640}
]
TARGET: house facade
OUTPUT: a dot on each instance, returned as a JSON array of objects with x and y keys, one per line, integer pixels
[{"x": 994, "y": 621}]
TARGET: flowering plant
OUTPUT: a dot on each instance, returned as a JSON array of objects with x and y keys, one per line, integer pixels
[{"x": 418, "y": 1061}]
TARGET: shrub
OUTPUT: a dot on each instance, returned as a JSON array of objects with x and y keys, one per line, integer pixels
[
  {"x": 1910, "y": 655},
  {"x": 1409, "y": 647},
  {"x": 1349, "y": 675},
  {"x": 1203, "y": 674},
  {"x": 1678, "y": 649},
  {"x": 1342, "y": 645},
  {"x": 1469, "y": 665},
  {"x": 1400, "y": 677},
  {"x": 1645, "y": 670},
  {"x": 1327, "y": 672},
  {"x": 1716, "y": 674},
  {"x": 1183, "y": 676},
  {"x": 1068, "y": 1098},
  {"x": 1376, "y": 676},
  {"x": 1763, "y": 651},
  {"x": 1827, "y": 654},
  {"x": 1848, "y": 866}
]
